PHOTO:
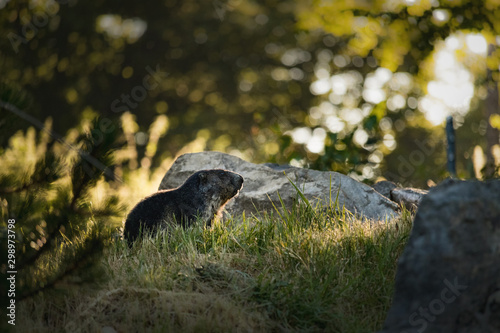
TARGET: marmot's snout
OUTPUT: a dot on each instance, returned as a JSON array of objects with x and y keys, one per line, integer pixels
[{"x": 237, "y": 182}]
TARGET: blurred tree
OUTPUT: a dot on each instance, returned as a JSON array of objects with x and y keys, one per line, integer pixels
[
  {"x": 213, "y": 68},
  {"x": 241, "y": 76},
  {"x": 58, "y": 233},
  {"x": 404, "y": 37}
]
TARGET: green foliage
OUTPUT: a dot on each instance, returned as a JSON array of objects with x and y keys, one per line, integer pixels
[
  {"x": 404, "y": 37},
  {"x": 10, "y": 123},
  {"x": 400, "y": 35},
  {"x": 239, "y": 76},
  {"x": 45, "y": 188},
  {"x": 201, "y": 53}
]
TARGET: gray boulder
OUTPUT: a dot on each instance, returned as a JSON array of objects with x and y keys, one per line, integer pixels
[
  {"x": 448, "y": 277},
  {"x": 264, "y": 181}
]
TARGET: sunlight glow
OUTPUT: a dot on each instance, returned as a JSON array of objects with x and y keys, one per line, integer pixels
[
  {"x": 367, "y": 172},
  {"x": 453, "y": 43},
  {"x": 294, "y": 57},
  {"x": 116, "y": 27},
  {"x": 389, "y": 141},
  {"x": 316, "y": 144},
  {"x": 374, "y": 91},
  {"x": 376, "y": 157},
  {"x": 320, "y": 87},
  {"x": 374, "y": 96},
  {"x": 441, "y": 15},
  {"x": 314, "y": 140},
  {"x": 360, "y": 137},
  {"x": 396, "y": 102},
  {"x": 334, "y": 124},
  {"x": 434, "y": 109},
  {"x": 339, "y": 85},
  {"x": 351, "y": 116},
  {"x": 452, "y": 89},
  {"x": 301, "y": 134},
  {"x": 477, "y": 44}
]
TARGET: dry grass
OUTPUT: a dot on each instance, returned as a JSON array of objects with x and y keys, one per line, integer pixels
[{"x": 306, "y": 270}]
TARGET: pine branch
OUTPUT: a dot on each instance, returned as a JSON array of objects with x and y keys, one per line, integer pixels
[
  {"x": 11, "y": 190},
  {"x": 33, "y": 182},
  {"x": 39, "y": 177},
  {"x": 84, "y": 155},
  {"x": 50, "y": 239},
  {"x": 77, "y": 263},
  {"x": 27, "y": 196}
]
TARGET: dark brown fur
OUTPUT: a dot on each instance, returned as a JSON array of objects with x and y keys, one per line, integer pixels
[{"x": 202, "y": 196}]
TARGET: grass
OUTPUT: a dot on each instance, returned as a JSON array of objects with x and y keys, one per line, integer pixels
[{"x": 304, "y": 270}]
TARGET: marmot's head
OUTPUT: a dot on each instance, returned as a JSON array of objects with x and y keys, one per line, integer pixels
[{"x": 219, "y": 184}]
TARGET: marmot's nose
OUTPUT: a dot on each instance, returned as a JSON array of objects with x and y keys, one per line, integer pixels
[{"x": 237, "y": 180}]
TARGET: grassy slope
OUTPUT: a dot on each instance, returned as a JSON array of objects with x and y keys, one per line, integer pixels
[{"x": 308, "y": 270}]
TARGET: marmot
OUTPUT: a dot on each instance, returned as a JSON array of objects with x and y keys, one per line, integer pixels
[{"x": 203, "y": 195}]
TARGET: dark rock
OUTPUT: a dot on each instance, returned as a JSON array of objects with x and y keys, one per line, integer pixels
[
  {"x": 385, "y": 187},
  {"x": 448, "y": 277}
]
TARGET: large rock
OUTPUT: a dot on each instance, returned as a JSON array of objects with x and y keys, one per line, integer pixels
[
  {"x": 264, "y": 181},
  {"x": 448, "y": 277}
]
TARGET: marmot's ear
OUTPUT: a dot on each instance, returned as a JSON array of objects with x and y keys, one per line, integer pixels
[{"x": 203, "y": 177}]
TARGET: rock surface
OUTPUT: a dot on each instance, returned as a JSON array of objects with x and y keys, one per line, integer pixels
[
  {"x": 384, "y": 187},
  {"x": 263, "y": 181},
  {"x": 407, "y": 197},
  {"x": 448, "y": 277}
]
